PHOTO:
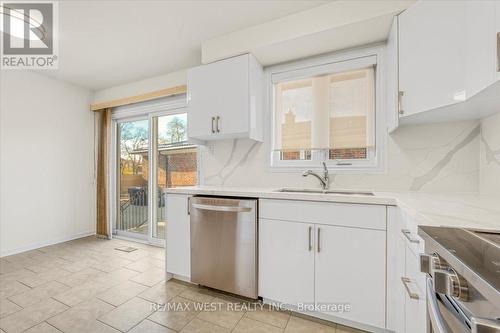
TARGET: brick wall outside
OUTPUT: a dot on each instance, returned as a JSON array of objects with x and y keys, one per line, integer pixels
[
  {"x": 347, "y": 153},
  {"x": 182, "y": 169}
]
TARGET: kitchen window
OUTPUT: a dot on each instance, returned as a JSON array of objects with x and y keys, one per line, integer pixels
[{"x": 326, "y": 111}]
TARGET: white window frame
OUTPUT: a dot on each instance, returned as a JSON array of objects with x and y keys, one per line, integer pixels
[{"x": 334, "y": 62}]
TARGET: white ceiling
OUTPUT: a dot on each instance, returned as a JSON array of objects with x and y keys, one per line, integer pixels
[
  {"x": 108, "y": 43},
  {"x": 337, "y": 25}
]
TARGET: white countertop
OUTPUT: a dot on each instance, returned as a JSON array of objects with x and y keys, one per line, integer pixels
[
  {"x": 271, "y": 193},
  {"x": 467, "y": 210},
  {"x": 461, "y": 210}
]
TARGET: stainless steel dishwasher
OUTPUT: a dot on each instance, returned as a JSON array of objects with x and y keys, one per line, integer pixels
[{"x": 224, "y": 244}]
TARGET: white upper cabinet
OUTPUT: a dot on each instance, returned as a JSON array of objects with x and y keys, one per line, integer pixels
[
  {"x": 480, "y": 45},
  {"x": 431, "y": 55},
  {"x": 225, "y": 99},
  {"x": 392, "y": 77},
  {"x": 447, "y": 62},
  {"x": 497, "y": 19}
]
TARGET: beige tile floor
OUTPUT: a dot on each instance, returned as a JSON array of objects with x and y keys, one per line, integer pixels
[{"x": 86, "y": 286}]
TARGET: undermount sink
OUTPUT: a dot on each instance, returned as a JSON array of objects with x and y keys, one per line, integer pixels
[{"x": 313, "y": 190}]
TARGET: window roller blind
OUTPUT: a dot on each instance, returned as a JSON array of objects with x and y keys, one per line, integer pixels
[{"x": 334, "y": 109}]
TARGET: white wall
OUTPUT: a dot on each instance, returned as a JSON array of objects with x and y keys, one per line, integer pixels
[
  {"x": 47, "y": 161},
  {"x": 490, "y": 155}
]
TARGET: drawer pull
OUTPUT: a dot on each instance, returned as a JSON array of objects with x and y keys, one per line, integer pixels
[
  {"x": 406, "y": 281},
  {"x": 407, "y": 234}
]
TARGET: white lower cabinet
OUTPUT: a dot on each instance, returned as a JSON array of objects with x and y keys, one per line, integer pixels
[
  {"x": 286, "y": 261},
  {"x": 178, "y": 247},
  {"x": 406, "y": 298},
  {"x": 350, "y": 269},
  {"x": 415, "y": 313},
  {"x": 324, "y": 265},
  {"x": 415, "y": 297},
  {"x": 395, "y": 271}
]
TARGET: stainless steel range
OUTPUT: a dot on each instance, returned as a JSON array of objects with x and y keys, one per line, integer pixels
[{"x": 463, "y": 281}]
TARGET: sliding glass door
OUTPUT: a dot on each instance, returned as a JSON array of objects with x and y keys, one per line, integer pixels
[
  {"x": 175, "y": 163},
  {"x": 152, "y": 155},
  {"x": 133, "y": 147}
]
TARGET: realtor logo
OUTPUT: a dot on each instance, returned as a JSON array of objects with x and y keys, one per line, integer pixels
[{"x": 29, "y": 35}]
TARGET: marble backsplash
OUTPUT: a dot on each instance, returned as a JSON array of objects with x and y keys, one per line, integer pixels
[
  {"x": 489, "y": 180},
  {"x": 432, "y": 157}
]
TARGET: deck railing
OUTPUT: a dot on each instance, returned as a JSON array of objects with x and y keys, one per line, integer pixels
[{"x": 134, "y": 211}]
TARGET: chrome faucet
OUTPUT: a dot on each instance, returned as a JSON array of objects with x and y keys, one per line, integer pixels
[{"x": 325, "y": 180}]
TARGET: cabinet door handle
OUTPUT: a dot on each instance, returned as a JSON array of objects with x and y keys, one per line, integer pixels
[
  {"x": 406, "y": 281},
  {"x": 213, "y": 126},
  {"x": 189, "y": 206},
  {"x": 400, "y": 104},
  {"x": 319, "y": 241},
  {"x": 217, "y": 124},
  {"x": 498, "y": 51},
  {"x": 407, "y": 234},
  {"x": 310, "y": 238}
]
